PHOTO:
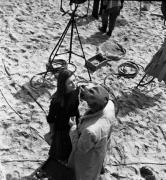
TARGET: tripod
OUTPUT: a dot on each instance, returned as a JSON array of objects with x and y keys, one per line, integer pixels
[{"x": 54, "y": 53}]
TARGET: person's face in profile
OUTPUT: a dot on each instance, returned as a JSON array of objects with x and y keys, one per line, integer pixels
[
  {"x": 70, "y": 84},
  {"x": 87, "y": 95}
]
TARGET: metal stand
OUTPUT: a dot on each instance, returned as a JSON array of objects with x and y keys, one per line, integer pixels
[
  {"x": 61, "y": 7},
  {"x": 54, "y": 53},
  {"x": 142, "y": 83},
  {"x": 140, "y": 6}
]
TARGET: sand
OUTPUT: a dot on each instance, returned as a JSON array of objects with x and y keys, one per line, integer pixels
[{"x": 29, "y": 31}]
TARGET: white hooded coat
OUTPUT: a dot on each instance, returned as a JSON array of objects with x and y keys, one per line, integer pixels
[{"x": 90, "y": 146}]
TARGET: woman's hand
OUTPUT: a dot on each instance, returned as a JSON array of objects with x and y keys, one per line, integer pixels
[{"x": 72, "y": 121}]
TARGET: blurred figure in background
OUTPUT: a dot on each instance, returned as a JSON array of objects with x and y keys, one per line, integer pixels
[
  {"x": 96, "y": 10},
  {"x": 110, "y": 12},
  {"x": 163, "y": 9}
]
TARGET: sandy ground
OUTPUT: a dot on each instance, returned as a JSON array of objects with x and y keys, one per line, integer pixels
[{"x": 29, "y": 31}]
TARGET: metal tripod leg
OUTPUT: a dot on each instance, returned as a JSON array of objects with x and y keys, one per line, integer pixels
[
  {"x": 73, "y": 25},
  {"x": 139, "y": 84},
  {"x": 61, "y": 7},
  {"x": 82, "y": 49},
  {"x": 71, "y": 38},
  {"x": 140, "y": 6},
  {"x": 141, "y": 80},
  {"x": 56, "y": 48}
]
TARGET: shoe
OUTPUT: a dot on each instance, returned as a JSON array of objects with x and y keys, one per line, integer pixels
[
  {"x": 102, "y": 170},
  {"x": 109, "y": 33},
  {"x": 102, "y": 29},
  {"x": 95, "y": 16}
]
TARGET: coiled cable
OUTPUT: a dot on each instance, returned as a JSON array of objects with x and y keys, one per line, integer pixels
[{"x": 123, "y": 72}]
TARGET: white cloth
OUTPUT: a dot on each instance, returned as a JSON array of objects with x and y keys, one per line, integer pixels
[{"x": 90, "y": 144}]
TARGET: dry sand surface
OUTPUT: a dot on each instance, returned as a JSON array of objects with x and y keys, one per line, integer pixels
[{"x": 29, "y": 31}]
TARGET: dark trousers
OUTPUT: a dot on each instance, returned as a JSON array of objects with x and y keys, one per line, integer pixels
[
  {"x": 109, "y": 17},
  {"x": 96, "y": 10},
  {"x": 163, "y": 9}
]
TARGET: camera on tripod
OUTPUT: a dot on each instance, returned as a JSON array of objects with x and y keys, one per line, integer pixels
[{"x": 77, "y": 1}]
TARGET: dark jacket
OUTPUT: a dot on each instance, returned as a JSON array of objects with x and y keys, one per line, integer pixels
[{"x": 59, "y": 115}]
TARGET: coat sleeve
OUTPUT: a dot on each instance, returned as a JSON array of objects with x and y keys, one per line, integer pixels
[
  {"x": 87, "y": 141},
  {"x": 74, "y": 136}
]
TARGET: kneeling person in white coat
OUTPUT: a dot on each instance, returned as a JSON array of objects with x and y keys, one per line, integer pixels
[{"x": 90, "y": 139}]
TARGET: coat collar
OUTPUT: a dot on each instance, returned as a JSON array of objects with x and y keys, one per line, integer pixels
[
  {"x": 107, "y": 109},
  {"x": 90, "y": 116}
]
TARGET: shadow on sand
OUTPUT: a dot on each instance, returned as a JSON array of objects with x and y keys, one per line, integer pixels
[
  {"x": 83, "y": 21},
  {"x": 129, "y": 102},
  {"x": 30, "y": 92},
  {"x": 95, "y": 39}
]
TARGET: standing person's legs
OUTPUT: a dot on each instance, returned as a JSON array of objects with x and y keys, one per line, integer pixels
[
  {"x": 113, "y": 14},
  {"x": 95, "y": 9},
  {"x": 104, "y": 17},
  {"x": 101, "y": 7}
]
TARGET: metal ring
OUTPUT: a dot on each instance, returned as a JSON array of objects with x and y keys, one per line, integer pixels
[
  {"x": 123, "y": 72},
  {"x": 147, "y": 82},
  {"x": 57, "y": 62},
  {"x": 75, "y": 67},
  {"x": 41, "y": 81}
]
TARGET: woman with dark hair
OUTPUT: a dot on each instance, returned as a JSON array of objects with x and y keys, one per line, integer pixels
[{"x": 63, "y": 106}]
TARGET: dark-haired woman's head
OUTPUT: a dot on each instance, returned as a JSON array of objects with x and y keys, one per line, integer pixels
[{"x": 65, "y": 83}]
